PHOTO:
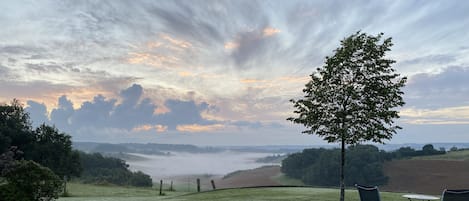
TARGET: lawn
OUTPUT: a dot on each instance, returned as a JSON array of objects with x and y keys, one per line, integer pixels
[
  {"x": 90, "y": 192},
  {"x": 82, "y": 192},
  {"x": 280, "y": 193}
]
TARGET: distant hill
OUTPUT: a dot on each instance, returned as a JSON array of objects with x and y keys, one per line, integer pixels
[
  {"x": 150, "y": 148},
  {"x": 163, "y": 149}
]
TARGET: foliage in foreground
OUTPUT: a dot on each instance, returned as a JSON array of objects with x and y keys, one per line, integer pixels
[
  {"x": 29, "y": 181},
  {"x": 45, "y": 150}
]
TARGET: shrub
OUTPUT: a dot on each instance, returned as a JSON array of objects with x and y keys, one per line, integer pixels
[{"x": 29, "y": 181}]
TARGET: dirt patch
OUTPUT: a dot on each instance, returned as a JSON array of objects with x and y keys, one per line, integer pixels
[
  {"x": 426, "y": 176},
  {"x": 262, "y": 176}
]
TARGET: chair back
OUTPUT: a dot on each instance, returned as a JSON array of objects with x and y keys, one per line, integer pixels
[
  {"x": 455, "y": 195},
  {"x": 368, "y": 193}
]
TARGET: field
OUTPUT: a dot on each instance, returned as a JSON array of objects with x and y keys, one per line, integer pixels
[
  {"x": 426, "y": 176},
  {"x": 82, "y": 192},
  {"x": 462, "y": 155}
]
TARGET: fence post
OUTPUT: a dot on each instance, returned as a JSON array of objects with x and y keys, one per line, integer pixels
[
  {"x": 198, "y": 185},
  {"x": 213, "y": 184},
  {"x": 161, "y": 187},
  {"x": 65, "y": 186}
]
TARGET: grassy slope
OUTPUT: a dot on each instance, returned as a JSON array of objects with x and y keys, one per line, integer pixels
[
  {"x": 452, "y": 155},
  {"x": 82, "y": 192}
]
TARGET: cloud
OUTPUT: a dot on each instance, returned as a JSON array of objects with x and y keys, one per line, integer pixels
[
  {"x": 37, "y": 112},
  {"x": 247, "y": 57},
  {"x": 196, "y": 128},
  {"x": 231, "y": 45},
  {"x": 449, "y": 115},
  {"x": 61, "y": 115},
  {"x": 440, "y": 98},
  {"x": 269, "y": 31},
  {"x": 448, "y": 88},
  {"x": 252, "y": 46},
  {"x": 187, "y": 20},
  {"x": 5, "y": 72},
  {"x": 130, "y": 112},
  {"x": 45, "y": 68},
  {"x": 430, "y": 59},
  {"x": 20, "y": 49},
  {"x": 147, "y": 127},
  {"x": 183, "y": 112}
]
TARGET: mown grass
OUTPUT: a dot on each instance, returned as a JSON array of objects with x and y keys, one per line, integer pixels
[
  {"x": 462, "y": 155},
  {"x": 280, "y": 193},
  {"x": 82, "y": 192},
  {"x": 287, "y": 181},
  {"x": 78, "y": 191}
]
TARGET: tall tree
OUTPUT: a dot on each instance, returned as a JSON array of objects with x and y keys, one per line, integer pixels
[
  {"x": 53, "y": 149},
  {"x": 15, "y": 127},
  {"x": 353, "y": 97}
]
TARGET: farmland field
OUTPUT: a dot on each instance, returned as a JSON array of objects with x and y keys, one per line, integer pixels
[{"x": 462, "y": 155}]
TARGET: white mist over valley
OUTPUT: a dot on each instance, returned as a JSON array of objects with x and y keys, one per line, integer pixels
[{"x": 183, "y": 163}]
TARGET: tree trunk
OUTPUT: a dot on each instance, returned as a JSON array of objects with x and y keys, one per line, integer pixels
[{"x": 342, "y": 163}]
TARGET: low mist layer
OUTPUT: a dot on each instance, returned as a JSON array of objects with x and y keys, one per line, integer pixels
[{"x": 177, "y": 164}]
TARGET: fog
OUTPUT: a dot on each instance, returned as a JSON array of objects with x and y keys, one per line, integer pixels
[{"x": 178, "y": 164}]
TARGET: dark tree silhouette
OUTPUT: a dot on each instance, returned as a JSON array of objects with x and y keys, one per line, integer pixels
[{"x": 353, "y": 97}]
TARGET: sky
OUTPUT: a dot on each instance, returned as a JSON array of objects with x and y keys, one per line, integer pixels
[{"x": 218, "y": 72}]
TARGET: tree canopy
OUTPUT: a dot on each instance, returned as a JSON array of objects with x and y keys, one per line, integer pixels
[
  {"x": 53, "y": 149},
  {"x": 15, "y": 128},
  {"x": 354, "y": 96},
  {"x": 320, "y": 167}
]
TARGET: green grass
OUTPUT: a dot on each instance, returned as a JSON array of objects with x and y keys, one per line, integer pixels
[
  {"x": 82, "y": 192},
  {"x": 462, "y": 155},
  {"x": 279, "y": 193},
  {"x": 78, "y": 191},
  {"x": 287, "y": 181}
]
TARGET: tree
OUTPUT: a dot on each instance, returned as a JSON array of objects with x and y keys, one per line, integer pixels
[
  {"x": 320, "y": 167},
  {"x": 53, "y": 149},
  {"x": 15, "y": 128},
  {"x": 44, "y": 145},
  {"x": 104, "y": 170},
  {"x": 353, "y": 97}
]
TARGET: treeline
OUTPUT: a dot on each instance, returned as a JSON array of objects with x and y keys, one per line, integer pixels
[
  {"x": 149, "y": 148},
  {"x": 107, "y": 170},
  {"x": 408, "y": 152},
  {"x": 35, "y": 163},
  {"x": 363, "y": 164}
]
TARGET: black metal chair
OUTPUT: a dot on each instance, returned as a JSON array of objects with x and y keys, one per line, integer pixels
[
  {"x": 368, "y": 193},
  {"x": 455, "y": 195}
]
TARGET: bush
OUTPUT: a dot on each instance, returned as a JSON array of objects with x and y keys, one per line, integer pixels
[{"x": 29, "y": 181}]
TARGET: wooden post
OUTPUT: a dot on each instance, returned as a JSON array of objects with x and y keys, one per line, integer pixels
[
  {"x": 198, "y": 185},
  {"x": 213, "y": 184},
  {"x": 161, "y": 187},
  {"x": 65, "y": 186},
  {"x": 171, "y": 187}
]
